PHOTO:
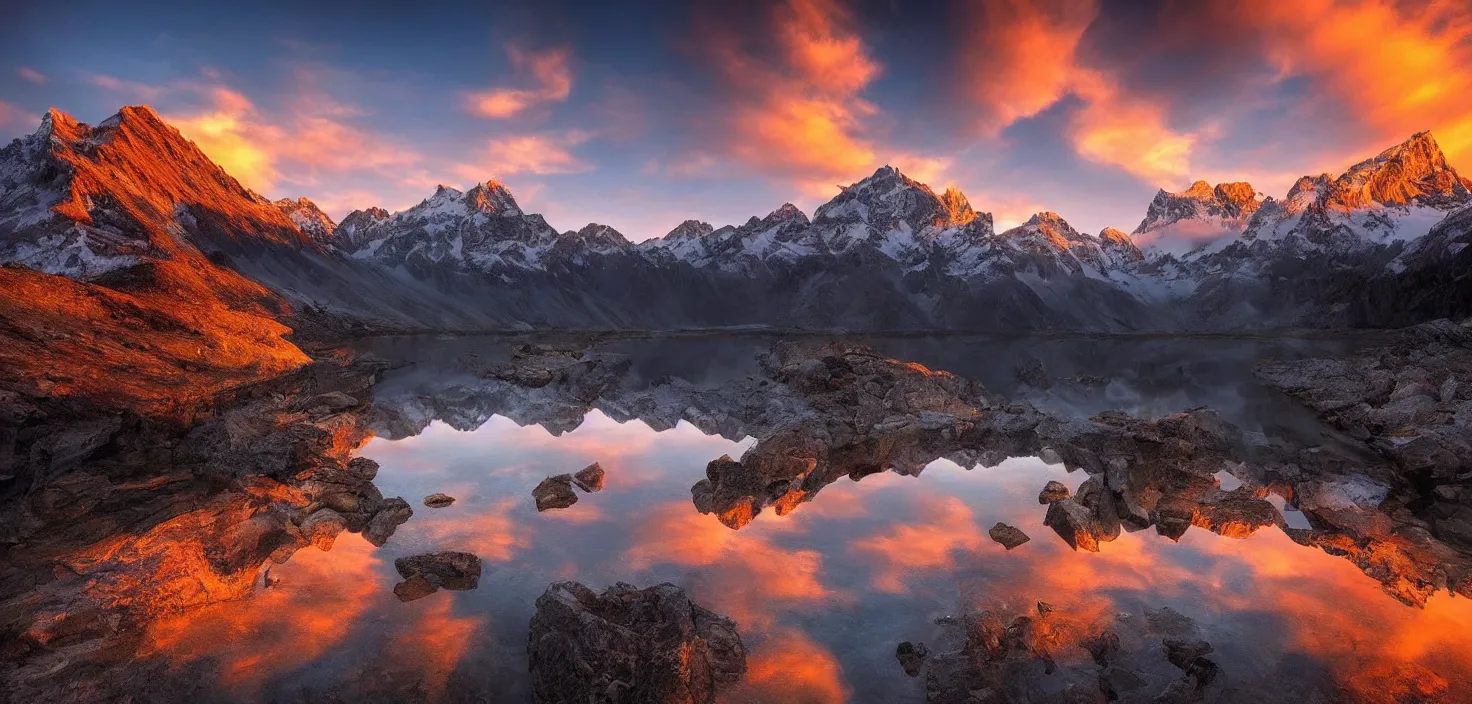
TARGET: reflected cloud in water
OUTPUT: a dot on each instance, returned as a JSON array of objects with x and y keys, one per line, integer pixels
[{"x": 822, "y": 595}]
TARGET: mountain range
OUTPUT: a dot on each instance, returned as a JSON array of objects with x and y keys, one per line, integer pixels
[{"x": 1384, "y": 243}]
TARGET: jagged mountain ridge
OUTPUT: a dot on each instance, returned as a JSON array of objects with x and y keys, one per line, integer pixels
[{"x": 887, "y": 252}]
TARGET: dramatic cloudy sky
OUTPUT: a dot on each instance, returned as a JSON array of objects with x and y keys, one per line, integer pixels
[{"x": 642, "y": 114}]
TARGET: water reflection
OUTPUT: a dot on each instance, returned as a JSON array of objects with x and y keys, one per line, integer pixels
[
  {"x": 821, "y": 595},
  {"x": 1318, "y": 605}
]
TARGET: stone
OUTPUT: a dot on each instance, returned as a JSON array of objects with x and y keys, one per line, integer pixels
[
  {"x": 322, "y": 528},
  {"x": 911, "y": 657},
  {"x": 1008, "y": 536},
  {"x": 1033, "y": 374},
  {"x": 1054, "y": 491},
  {"x": 554, "y": 492},
  {"x": 1073, "y": 523},
  {"x": 438, "y": 500},
  {"x": 629, "y": 645},
  {"x": 341, "y": 502},
  {"x": 391, "y": 514},
  {"x": 1183, "y": 652},
  {"x": 362, "y": 468},
  {"x": 450, "y": 569},
  {"x": 589, "y": 478},
  {"x": 1236, "y": 514},
  {"x": 416, "y": 587}
]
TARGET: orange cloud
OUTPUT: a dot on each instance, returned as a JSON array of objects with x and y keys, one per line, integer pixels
[
  {"x": 320, "y": 598},
  {"x": 790, "y": 668},
  {"x": 131, "y": 90},
  {"x": 493, "y": 535},
  {"x": 800, "y": 115},
  {"x": 928, "y": 545},
  {"x": 313, "y": 135},
  {"x": 31, "y": 75},
  {"x": 747, "y": 571},
  {"x": 1023, "y": 58},
  {"x": 1401, "y": 67},
  {"x": 550, "y": 71},
  {"x": 1128, "y": 132},
  {"x": 436, "y": 642},
  {"x": 540, "y": 154},
  {"x": 1020, "y": 55}
]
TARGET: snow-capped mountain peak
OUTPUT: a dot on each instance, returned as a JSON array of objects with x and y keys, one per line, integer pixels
[
  {"x": 689, "y": 229},
  {"x": 492, "y": 196},
  {"x": 307, "y": 216},
  {"x": 888, "y": 198},
  {"x": 784, "y": 214},
  {"x": 1184, "y": 223},
  {"x": 1414, "y": 172}
]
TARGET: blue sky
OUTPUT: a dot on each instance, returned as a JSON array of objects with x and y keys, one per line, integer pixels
[{"x": 640, "y": 115}]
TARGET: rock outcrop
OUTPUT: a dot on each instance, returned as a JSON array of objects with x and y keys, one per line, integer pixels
[
  {"x": 554, "y": 492},
  {"x": 650, "y": 646},
  {"x": 1007, "y": 536},
  {"x": 425, "y": 574},
  {"x": 161, "y": 520}
]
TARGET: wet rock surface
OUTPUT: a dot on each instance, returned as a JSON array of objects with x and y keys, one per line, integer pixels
[
  {"x": 630, "y": 645},
  {"x": 1008, "y": 536},
  {"x": 822, "y": 413},
  {"x": 554, "y": 493},
  {"x": 162, "y": 519},
  {"x": 1053, "y": 492},
  {"x": 589, "y": 478},
  {"x": 425, "y": 574},
  {"x": 272, "y": 474},
  {"x": 1049, "y": 655},
  {"x": 1410, "y": 400},
  {"x": 438, "y": 500},
  {"x": 1406, "y": 401}
]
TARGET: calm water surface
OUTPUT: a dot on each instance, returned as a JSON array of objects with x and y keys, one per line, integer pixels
[{"x": 822, "y": 595}]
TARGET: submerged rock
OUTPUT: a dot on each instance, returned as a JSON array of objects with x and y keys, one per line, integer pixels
[
  {"x": 1008, "y": 536},
  {"x": 629, "y": 645},
  {"x": 554, "y": 492},
  {"x": 416, "y": 587},
  {"x": 589, "y": 478},
  {"x": 438, "y": 500}
]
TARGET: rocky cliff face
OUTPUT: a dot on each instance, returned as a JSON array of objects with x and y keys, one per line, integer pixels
[
  {"x": 308, "y": 218},
  {"x": 1182, "y": 223},
  {"x": 115, "y": 299}
]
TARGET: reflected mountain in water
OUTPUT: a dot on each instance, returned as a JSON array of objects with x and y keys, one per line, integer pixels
[{"x": 821, "y": 413}]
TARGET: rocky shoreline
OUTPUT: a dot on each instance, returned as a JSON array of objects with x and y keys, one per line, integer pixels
[{"x": 118, "y": 518}]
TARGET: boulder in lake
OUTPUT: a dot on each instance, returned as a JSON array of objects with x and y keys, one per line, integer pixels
[
  {"x": 1009, "y": 536},
  {"x": 438, "y": 500},
  {"x": 630, "y": 645},
  {"x": 589, "y": 478},
  {"x": 423, "y": 574},
  {"x": 1054, "y": 491},
  {"x": 555, "y": 492}
]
